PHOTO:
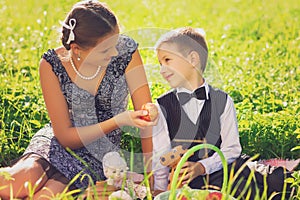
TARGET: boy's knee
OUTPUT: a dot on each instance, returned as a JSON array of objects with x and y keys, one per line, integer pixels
[{"x": 276, "y": 179}]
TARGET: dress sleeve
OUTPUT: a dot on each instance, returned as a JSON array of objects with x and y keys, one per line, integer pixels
[
  {"x": 126, "y": 47},
  {"x": 52, "y": 58}
]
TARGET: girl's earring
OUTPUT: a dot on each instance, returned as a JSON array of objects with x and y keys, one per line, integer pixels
[{"x": 78, "y": 58}]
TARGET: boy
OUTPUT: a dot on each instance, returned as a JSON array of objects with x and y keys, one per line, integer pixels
[{"x": 195, "y": 111}]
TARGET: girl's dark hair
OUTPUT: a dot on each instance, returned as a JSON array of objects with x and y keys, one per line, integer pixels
[
  {"x": 93, "y": 21},
  {"x": 187, "y": 39}
]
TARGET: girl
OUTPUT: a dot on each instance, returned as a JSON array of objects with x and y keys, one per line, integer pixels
[{"x": 85, "y": 84}]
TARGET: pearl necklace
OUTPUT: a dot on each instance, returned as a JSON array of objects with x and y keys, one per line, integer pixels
[{"x": 84, "y": 77}]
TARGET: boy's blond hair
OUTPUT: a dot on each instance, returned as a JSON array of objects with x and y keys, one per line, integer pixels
[{"x": 187, "y": 39}]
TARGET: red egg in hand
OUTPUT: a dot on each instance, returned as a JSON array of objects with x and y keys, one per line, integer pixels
[
  {"x": 184, "y": 198},
  {"x": 214, "y": 196},
  {"x": 152, "y": 112}
]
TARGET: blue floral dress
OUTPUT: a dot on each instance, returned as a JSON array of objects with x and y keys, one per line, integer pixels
[{"x": 86, "y": 109}]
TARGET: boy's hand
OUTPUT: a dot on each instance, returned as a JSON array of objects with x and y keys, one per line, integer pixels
[{"x": 189, "y": 171}]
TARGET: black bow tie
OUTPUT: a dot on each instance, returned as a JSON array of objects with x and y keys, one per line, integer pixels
[{"x": 184, "y": 97}]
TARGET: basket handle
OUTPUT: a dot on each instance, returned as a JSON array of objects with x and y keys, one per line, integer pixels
[{"x": 187, "y": 155}]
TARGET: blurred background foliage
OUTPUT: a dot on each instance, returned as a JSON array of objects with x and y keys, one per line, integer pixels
[{"x": 253, "y": 56}]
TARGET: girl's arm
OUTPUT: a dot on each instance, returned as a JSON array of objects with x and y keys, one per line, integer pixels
[
  {"x": 140, "y": 94},
  {"x": 67, "y": 135}
]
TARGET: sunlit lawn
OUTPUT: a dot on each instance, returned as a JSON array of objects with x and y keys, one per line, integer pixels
[{"x": 254, "y": 56}]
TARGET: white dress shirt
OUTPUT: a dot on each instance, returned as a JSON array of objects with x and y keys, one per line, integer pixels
[{"x": 230, "y": 146}]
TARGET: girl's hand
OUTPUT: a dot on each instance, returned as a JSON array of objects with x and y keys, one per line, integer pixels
[
  {"x": 152, "y": 112},
  {"x": 189, "y": 171},
  {"x": 133, "y": 118}
]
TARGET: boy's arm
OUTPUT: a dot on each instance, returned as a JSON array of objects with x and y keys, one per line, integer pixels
[
  {"x": 230, "y": 146},
  {"x": 161, "y": 145}
]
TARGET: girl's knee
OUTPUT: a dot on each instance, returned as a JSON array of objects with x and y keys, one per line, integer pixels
[
  {"x": 5, "y": 177},
  {"x": 8, "y": 184},
  {"x": 16, "y": 179}
]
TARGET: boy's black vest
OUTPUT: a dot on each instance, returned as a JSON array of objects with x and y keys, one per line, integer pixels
[{"x": 208, "y": 125}]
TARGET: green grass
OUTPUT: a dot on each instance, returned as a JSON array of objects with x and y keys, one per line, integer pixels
[{"x": 254, "y": 56}]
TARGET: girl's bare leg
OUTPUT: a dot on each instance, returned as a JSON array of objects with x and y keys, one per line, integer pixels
[
  {"x": 26, "y": 172},
  {"x": 54, "y": 185}
]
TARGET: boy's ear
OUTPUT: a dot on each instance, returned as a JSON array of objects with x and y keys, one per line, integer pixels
[{"x": 194, "y": 58}]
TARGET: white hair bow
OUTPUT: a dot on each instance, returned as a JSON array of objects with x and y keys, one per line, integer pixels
[{"x": 70, "y": 26}]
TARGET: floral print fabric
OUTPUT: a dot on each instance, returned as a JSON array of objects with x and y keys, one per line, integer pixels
[{"x": 87, "y": 109}]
